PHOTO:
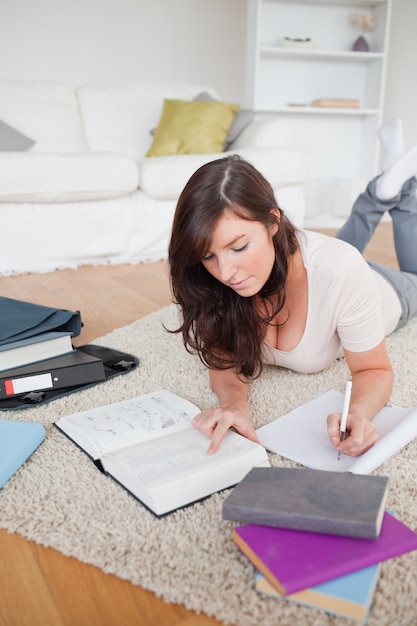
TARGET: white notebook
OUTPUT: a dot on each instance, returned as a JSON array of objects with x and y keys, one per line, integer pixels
[{"x": 301, "y": 435}]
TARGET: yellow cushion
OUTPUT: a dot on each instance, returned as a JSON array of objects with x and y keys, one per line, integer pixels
[{"x": 196, "y": 127}]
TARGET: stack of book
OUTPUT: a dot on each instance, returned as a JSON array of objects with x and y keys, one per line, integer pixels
[
  {"x": 317, "y": 537},
  {"x": 45, "y": 361},
  {"x": 36, "y": 355},
  {"x": 36, "y": 351}
]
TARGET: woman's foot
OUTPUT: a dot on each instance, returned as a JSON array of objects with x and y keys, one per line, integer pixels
[
  {"x": 390, "y": 183},
  {"x": 391, "y": 137}
]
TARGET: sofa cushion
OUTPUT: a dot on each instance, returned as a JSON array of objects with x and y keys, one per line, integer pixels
[
  {"x": 119, "y": 116},
  {"x": 196, "y": 127},
  {"x": 242, "y": 119},
  {"x": 13, "y": 141},
  {"x": 266, "y": 131},
  {"x": 282, "y": 167},
  {"x": 165, "y": 177},
  {"x": 47, "y": 112},
  {"x": 31, "y": 177}
]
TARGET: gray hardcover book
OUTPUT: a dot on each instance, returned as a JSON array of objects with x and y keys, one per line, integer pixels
[{"x": 336, "y": 503}]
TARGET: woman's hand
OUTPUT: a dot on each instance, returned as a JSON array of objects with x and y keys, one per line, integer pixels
[
  {"x": 371, "y": 388},
  {"x": 360, "y": 434},
  {"x": 215, "y": 422},
  {"x": 232, "y": 392}
]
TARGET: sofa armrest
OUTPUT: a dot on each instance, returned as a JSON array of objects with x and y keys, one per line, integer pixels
[{"x": 264, "y": 132}]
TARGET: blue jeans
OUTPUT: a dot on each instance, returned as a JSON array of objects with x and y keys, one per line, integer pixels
[{"x": 360, "y": 226}]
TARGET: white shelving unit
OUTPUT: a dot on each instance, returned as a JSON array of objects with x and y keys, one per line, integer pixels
[{"x": 342, "y": 143}]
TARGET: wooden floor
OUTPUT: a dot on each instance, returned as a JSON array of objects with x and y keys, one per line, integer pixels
[{"x": 39, "y": 586}]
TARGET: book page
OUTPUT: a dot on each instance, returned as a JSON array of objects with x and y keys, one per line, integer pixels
[
  {"x": 301, "y": 435},
  {"x": 168, "y": 458},
  {"x": 137, "y": 419},
  {"x": 171, "y": 471}
]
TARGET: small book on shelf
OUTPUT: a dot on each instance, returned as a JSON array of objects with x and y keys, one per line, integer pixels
[
  {"x": 149, "y": 445},
  {"x": 294, "y": 560},
  {"x": 67, "y": 370},
  {"x": 349, "y": 596},
  {"x": 395, "y": 426},
  {"x": 313, "y": 500},
  {"x": 34, "y": 349},
  {"x": 337, "y": 103},
  {"x": 18, "y": 440}
]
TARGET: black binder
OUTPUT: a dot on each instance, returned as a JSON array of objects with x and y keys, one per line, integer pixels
[
  {"x": 68, "y": 370},
  {"x": 113, "y": 363}
]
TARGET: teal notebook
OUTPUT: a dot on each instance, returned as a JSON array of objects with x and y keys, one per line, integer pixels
[
  {"x": 349, "y": 596},
  {"x": 17, "y": 442}
]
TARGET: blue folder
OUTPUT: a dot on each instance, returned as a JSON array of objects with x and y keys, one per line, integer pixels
[
  {"x": 20, "y": 320},
  {"x": 18, "y": 440}
]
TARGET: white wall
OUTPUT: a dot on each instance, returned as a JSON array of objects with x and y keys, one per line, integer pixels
[
  {"x": 200, "y": 41},
  {"x": 401, "y": 86},
  {"x": 79, "y": 41}
]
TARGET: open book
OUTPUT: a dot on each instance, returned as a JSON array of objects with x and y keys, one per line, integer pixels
[
  {"x": 301, "y": 435},
  {"x": 150, "y": 447}
]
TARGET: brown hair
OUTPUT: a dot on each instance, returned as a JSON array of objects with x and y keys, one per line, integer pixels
[{"x": 225, "y": 329}]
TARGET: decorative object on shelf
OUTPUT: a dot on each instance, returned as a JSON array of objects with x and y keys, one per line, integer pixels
[
  {"x": 364, "y": 23},
  {"x": 296, "y": 42},
  {"x": 360, "y": 44}
]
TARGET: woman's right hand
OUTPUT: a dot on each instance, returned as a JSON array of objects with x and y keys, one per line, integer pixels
[{"x": 215, "y": 422}]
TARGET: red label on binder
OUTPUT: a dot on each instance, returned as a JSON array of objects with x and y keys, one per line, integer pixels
[{"x": 9, "y": 388}]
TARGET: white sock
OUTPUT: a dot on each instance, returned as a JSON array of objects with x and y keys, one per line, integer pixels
[
  {"x": 391, "y": 137},
  {"x": 390, "y": 183}
]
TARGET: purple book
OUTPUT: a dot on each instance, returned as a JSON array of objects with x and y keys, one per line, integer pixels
[{"x": 293, "y": 560}]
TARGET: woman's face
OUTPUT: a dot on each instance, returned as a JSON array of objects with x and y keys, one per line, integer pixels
[{"x": 241, "y": 254}]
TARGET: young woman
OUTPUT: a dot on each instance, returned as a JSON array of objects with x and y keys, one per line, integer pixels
[{"x": 255, "y": 290}]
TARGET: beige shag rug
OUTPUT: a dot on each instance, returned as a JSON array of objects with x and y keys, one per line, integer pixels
[{"x": 59, "y": 498}]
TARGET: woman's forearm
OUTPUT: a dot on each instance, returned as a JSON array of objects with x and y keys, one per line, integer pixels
[
  {"x": 371, "y": 390},
  {"x": 229, "y": 387}
]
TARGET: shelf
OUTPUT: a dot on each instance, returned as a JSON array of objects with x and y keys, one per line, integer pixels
[
  {"x": 309, "y": 110},
  {"x": 370, "y": 4},
  {"x": 337, "y": 55},
  {"x": 285, "y": 80}
]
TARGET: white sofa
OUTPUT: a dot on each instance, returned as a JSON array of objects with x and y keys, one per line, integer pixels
[{"x": 84, "y": 192}]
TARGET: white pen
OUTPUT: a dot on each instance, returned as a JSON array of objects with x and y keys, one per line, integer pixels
[{"x": 345, "y": 412}]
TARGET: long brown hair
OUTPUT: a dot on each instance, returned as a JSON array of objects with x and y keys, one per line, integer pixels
[{"x": 225, "y": 329}]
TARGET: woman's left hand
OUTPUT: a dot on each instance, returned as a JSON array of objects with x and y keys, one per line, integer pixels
[{"x": 215, "y": 423}]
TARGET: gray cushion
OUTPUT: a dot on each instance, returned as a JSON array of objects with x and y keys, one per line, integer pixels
[
  {"x": 11, "y": 140},
  {"x": 242, "y": 119}
]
